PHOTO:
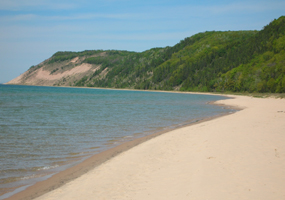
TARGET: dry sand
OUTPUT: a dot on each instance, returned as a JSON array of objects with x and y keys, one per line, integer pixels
[{"x": 238, "y": 156}]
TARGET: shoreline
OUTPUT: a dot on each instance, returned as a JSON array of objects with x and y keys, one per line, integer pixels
[
  {"x": 237, "y": 156},
  {"x": 62, "y": 177},
  {"x": 234, "y": 156}
]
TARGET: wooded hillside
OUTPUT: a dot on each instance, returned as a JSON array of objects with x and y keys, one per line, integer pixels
[{"x": 237, "y": 61}]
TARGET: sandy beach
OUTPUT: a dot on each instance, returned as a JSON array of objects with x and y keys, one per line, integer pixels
[{"x": 237, "y": 156}]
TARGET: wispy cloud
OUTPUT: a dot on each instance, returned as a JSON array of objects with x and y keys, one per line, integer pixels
[
  {"x": 15, "y": 5},
  {"x": 165, "y": 12},
  {"x": 245, "y": 7},
  {"x": 22, "y": 17},
  {"x": 223, "y": 9},
  {"x": 87, "y": 16},
  {"x": 84, "y": 16}
]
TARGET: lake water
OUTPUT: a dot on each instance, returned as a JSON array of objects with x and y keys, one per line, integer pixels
[{"x": 45, "y": 129}]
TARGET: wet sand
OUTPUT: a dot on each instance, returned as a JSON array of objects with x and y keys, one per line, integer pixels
[{"x": 237, "y": 156}]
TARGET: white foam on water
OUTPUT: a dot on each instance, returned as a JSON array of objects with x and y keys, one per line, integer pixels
[{"x": 48, "y": 167}]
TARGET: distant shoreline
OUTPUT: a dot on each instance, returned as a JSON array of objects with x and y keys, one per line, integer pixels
[
  {"x": 127, "y": 89},
  {"x": 259, "y": 95}
]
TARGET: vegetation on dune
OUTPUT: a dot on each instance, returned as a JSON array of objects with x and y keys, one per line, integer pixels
[
  {"x": 236, "y": 61},
  {"x": 68, "y": 55},
  {"x": 124, "y": 69}
]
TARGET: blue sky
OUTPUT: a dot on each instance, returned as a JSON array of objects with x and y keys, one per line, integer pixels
[{"x": 33, "y": 30}]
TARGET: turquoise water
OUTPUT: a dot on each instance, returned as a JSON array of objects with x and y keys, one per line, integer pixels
[{"x": 44, "y": 129}]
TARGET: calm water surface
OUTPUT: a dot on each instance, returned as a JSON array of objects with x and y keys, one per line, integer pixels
[{"x": 46, "y": 129}]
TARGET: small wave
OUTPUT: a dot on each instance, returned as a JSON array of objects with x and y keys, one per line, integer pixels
[
  {"x": 44, "y": 168},
  {"x": 29, "y": 177},
  {"x": 34, "y": 176},
  {"x": 47, "y": 168}
]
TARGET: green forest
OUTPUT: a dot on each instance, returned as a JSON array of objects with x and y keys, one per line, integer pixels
[{"x": 215, "y": 61}]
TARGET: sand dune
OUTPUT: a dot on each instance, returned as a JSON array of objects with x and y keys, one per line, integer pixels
[{"x": 45, "y": 75}]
